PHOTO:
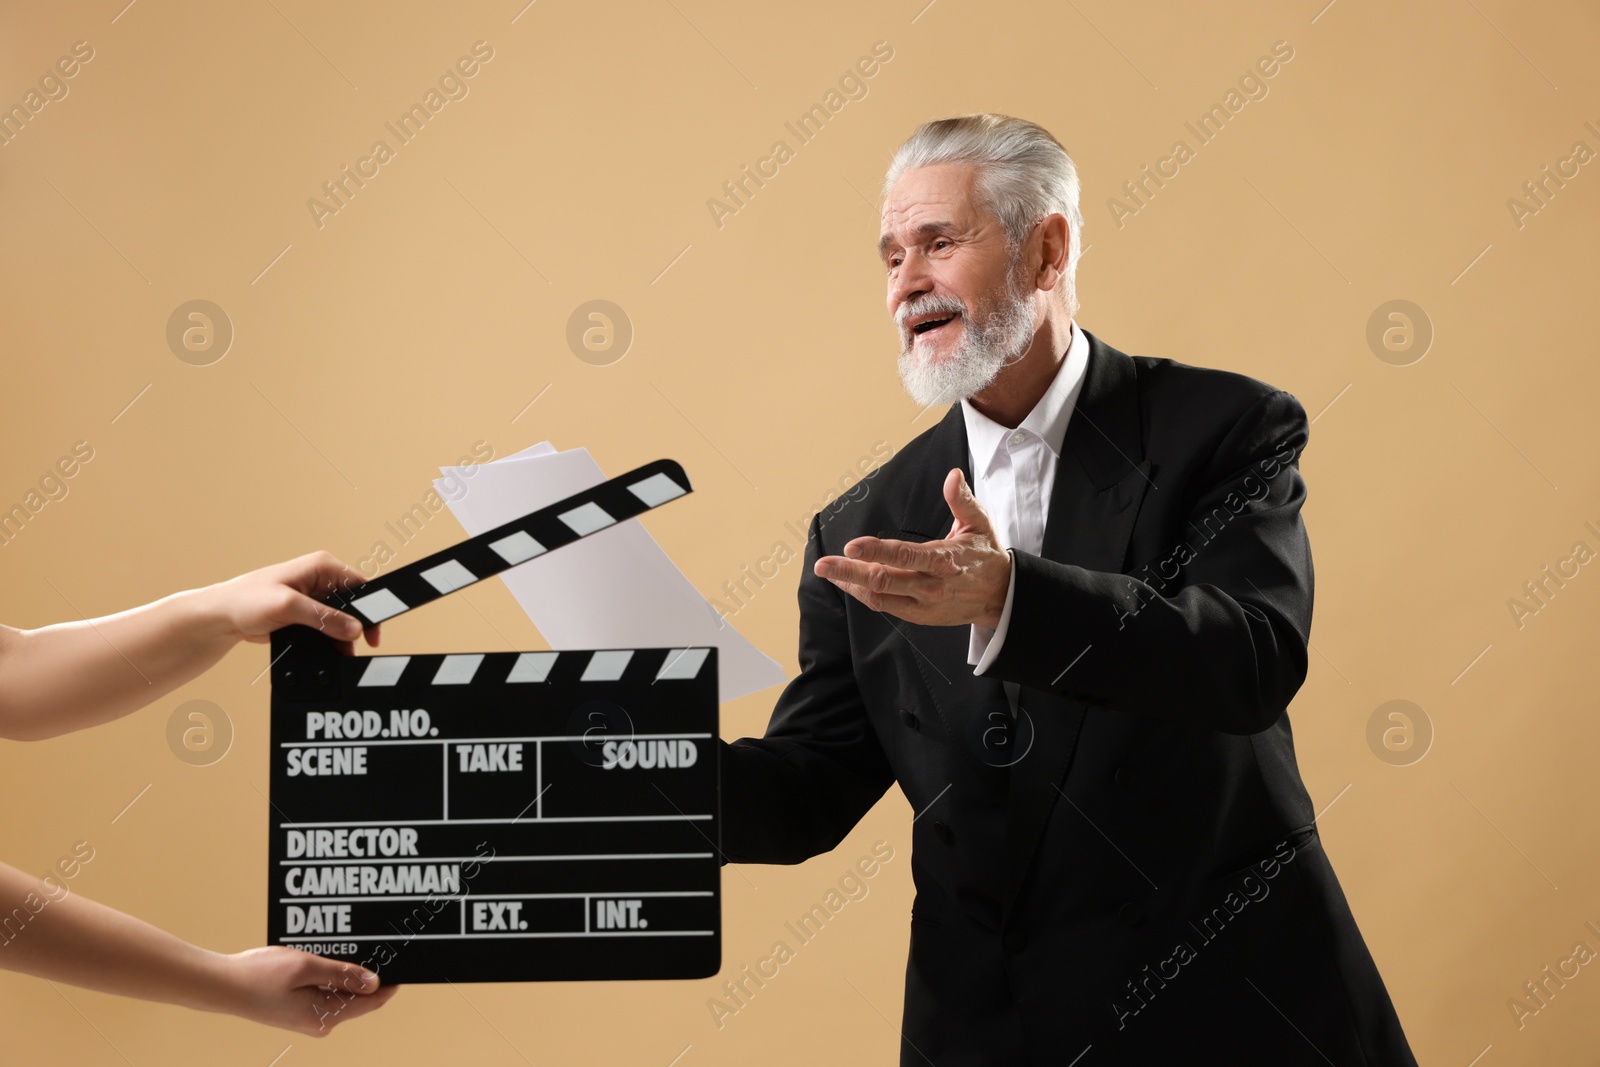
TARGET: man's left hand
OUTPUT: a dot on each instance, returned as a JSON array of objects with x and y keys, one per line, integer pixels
[{"x": 960, "y": 580}]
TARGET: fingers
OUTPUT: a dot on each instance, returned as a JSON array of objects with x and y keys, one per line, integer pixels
[
  {"x": 838, "y": 570},
  {"x": 355, "y": 1009},
  {"x": 337, "y": 975},
  {"x": 933, "y": 558},
  {"x": 327, "y": 1010},
  {"x": 969, "y": 514},
  {"x": 321, "y": 573},
  {"x": 348, "y": 648},
  {"x": 875, "y": 577},
  {"x": 902, "y": 607},
  {"x": 319, "y": 616},
  {"x": 302, "y": 582},
  {"x": 324, "y": 1010}
]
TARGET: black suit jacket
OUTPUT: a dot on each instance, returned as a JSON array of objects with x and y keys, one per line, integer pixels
[{"x": 1131, "y": 866}]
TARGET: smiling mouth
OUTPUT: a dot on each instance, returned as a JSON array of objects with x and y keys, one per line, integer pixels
[{"x": 932, "y": 325}]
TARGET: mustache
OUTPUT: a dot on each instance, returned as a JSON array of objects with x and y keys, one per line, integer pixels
[{"x": 928, "y": 305}]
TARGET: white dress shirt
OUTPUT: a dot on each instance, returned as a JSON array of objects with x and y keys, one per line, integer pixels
[{"x": 1013, "y": 476}]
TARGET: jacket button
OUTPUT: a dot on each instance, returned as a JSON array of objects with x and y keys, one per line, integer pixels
[
  {"x": 1014, "y": 941},
  {"x": 1123, "y": 777},
  {"x": 909, "y": 718},
  {"x": 1130, "y": 914},
  {"x": 943, "y": 832}
]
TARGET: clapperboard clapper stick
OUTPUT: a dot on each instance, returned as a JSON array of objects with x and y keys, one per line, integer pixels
[{"x": 498, "y": 816}]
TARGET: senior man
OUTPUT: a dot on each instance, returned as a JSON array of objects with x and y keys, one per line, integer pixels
[{"x": 1067, "y": 620}]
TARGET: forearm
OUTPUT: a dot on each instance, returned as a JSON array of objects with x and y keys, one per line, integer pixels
[
  {"x": 69, "y": 676},
  {"x": 52, "y": 933}
]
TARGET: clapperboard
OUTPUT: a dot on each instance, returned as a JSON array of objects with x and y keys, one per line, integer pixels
[{"x": 500, "y": 816}]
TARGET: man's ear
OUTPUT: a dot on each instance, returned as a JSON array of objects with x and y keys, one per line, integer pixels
[{"x": 1055, "y": 239}]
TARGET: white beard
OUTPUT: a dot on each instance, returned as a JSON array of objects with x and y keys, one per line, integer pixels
[{"x": 1003, "y": 338}]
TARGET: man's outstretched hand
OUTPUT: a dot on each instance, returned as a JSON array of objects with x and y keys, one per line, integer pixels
[{"x": 960, "y": 580}]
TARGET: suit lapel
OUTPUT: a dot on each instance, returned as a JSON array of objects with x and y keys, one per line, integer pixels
[
  {"x": 925, "y": 511},
  {"x": 1100, "y": 482}
]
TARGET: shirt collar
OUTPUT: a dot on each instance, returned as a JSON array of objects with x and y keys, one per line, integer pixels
[{"x": 1048, "y": 419}]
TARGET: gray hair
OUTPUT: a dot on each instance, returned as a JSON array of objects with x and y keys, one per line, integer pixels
[{"x": 1023, "y": 174}]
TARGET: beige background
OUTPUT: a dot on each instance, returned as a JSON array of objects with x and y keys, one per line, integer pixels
[{"x": 427, "y": 313}]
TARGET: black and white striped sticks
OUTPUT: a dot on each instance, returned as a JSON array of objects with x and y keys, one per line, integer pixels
[{"x": 535, "y": 534}]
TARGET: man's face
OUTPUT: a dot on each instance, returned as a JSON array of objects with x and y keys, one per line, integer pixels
[{"x": 955, "y": 289}]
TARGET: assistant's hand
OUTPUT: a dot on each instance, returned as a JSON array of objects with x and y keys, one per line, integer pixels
[
  {"x": 960, "y": 580},
  {"x": 261, "y": 601},
  {"x": 298, "y": 991}
]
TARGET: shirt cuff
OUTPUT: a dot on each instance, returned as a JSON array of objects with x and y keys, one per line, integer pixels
[{"x": 984, "y": 645}]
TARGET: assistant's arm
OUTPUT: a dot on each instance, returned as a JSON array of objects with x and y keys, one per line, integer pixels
[
  {"x": 73, "y": 675},
  {"x": 50, "y": 932},
  {"x": 796, "y": 792},
  {"x": 1213, "y": 633}
]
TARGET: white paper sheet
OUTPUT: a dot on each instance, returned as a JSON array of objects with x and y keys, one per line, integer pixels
[{"x": 615, "y": 588}]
